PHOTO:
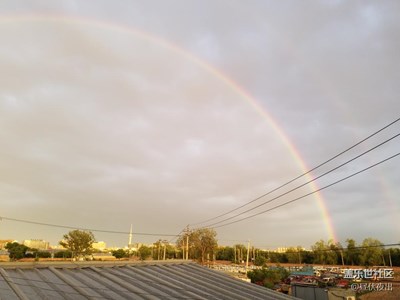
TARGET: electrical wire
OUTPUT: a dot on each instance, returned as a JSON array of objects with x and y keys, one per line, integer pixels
[
  {"x": 304, "y": 184},
  {"x": 308, "y": 194},
  {"x": 85, "y": 229},
  {"x": 302, "y": 175}
]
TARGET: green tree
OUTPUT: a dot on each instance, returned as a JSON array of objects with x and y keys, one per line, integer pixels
[
  {"x": 63, "y": 254},
  {"x": 240, "y": 252},
  {"x": 16, "y": 250},
  {"x": 294, "y": 255},
  {"x": 352, "y": 254},
  {"x": 202, "y": 243},
  {"x": 260, "y": 260},
  {"x": 144, "y": 252},
  {"x": 393, "y": 255},
  {"x": 120, "y": 253},
  {"x": 372, "y": 254},
  {"x": 268, "y": 276},
  {"x": 79, "y": 242},
  {"x": 275, "y": 257},
  {"x": 225, "y": 253},
  {"x": 42, "y": 254},
  {"x": 325, "y": 253}
]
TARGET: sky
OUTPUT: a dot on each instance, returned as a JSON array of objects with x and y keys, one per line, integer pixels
[{"x": 162, "y": 114}]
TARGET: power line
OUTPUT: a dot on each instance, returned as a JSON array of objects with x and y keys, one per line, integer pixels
[
  {"x": 86, "y": 229},
  {"x": 176, "y": 236},
  {"x": 308, "y": 194},
  {"x": 304, "y": 184},
  {"x": 302, "y": 175}
]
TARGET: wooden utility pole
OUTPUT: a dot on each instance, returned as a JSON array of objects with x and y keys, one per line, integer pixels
[
  {"x": 187, "y": 247},
  {"x": 130, "y": 243},
  {"x": 159, "y": 250},
  {"x": 248, "y": 252},
  {"x": 183, "y": 249},
  {"x": 187, "y": 232},
  {"x": 341, "y": 254}
]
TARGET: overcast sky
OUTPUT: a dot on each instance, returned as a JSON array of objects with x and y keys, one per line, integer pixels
[{"x": 135, "y": 112}]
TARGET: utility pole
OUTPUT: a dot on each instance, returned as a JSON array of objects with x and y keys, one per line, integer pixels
[
  {"x": 186, "y": 232},
  {"x": 248, "y": 252},
  {"x": 341, "y": 254},
  {"x": 130, "y": 242},
  {"x": 187, "y": 242},
  {"x": 183, "y": 249},
  {"x": 158, "y": 249},
  {"x": 165, "y": 249}
]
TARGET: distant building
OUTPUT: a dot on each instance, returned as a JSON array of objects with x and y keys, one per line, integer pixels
[
  {"x": 281, "y": 249},
  {"x": 4, "y": 255},
  {"x": 3, "y": 243},
  {"x": 99, "y": 246},
  {"x": 37, "y": 244},
  {"x": 58, "y": 247},
  {"x": 285, "y": 249},
  {"x": 133, "y": 247}
]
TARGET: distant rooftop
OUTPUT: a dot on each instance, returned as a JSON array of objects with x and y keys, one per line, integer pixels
[{"x": 118, "y": 280}]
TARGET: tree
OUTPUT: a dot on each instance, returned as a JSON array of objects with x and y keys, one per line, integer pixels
[
  {"x": 260, "y": 261},
  {"x": 268, "y": 277},
  {"x": 294, "y": 255},
  {"x": 225, "y": 253},
  {"x": 240, "y": 252},
  {"x": 372, "y": 254},
  {"x": 352, "y": 253},
  {"x": 325, "y": 253},
  {"x": 63, "y": 254},
  {"x": 202, "y": 243},
  {"x": 16, "y": 250},
  {"x": 120, "y": 253},
  {"x": 79, "y": 242},
  {"x": 144, "y": 252}
]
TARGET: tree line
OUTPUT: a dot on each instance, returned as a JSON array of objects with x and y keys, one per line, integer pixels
[
  {"x": 371, "y": 252},
  {"x": 201, "y": 244}
]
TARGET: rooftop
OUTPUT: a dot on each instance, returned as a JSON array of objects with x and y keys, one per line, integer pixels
[{"x": 122, "y": 280}]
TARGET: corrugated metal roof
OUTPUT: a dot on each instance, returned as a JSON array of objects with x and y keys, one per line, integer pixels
[{"x": 124, "y": 281}]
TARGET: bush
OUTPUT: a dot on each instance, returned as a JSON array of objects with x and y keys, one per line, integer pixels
[
  {"x": 144, "y": 252},
  {"x": 43, "y": 254},
  {"x": 260, "y": 261},
  {"x": 268, "y": 277},
  {"x": 63, "y": 254},
  {"x": 120, "y": 253}
]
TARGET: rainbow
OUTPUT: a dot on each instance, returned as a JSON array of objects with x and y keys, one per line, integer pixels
[{"x": 203, "y": 64}]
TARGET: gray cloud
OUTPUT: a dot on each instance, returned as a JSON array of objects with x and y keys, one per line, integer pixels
[{"x": 102, "y": 126}]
